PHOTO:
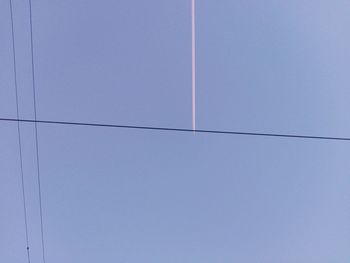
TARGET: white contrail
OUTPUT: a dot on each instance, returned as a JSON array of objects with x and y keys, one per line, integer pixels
[{"x": 193, "y": 65}]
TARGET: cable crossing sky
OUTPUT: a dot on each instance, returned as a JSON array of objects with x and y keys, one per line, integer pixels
[{"x": 154, "y": 128}]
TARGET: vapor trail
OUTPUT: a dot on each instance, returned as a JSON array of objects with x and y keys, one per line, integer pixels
[{"x": 193, "y": 65}]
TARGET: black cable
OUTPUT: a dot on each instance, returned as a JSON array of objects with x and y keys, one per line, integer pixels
[
  {"x": 281, "y": 135},
  {"x": 19, "y": 133},
  {"x": 36, "y": 130}
]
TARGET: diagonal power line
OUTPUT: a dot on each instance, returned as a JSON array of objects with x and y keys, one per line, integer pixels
[
  {"x": 154, "y": 128},
  {"x": 19, "y": 132},
  {"x": 36, "y": 129}
]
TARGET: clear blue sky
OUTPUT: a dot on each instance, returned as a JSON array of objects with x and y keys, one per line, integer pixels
[{"x": 154, "y": 197}]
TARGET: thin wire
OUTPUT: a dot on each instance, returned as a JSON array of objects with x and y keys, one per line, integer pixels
[
  {"x": 36, "y": 130},
  {"x": 19, "y": 132},
  {"x": 105, "y": 125}
]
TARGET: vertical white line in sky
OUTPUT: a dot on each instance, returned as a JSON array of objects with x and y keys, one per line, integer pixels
[{"x": 193, "y": 65}]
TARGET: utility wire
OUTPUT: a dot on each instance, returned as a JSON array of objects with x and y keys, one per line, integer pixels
[
  {"x": 36, "y": 130},
  {"x": 154, "y": 128},
  {"x": 19, "y": 133}
]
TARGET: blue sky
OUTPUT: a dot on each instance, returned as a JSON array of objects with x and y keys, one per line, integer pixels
[{"x": 146, "y": 196}]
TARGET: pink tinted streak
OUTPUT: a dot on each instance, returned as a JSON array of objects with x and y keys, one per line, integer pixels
[{"x": 193, "y": 65}]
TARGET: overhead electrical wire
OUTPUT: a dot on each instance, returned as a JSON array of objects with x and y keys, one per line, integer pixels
[
  {"x": 36, "y": 130},
  {"x": 19, "y": 133},
  {"x": 154, "y": 128}
]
